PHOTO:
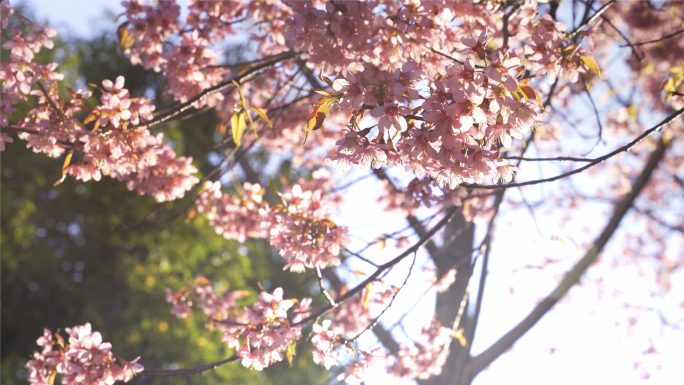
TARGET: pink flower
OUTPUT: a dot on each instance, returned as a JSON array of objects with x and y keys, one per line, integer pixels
[
  {"x": 43, "y": 35},
  {"x": 273, "y": 305},
  {"x": 391, "y": 115},
  {"x": 322, "y": 340},
  {"x": 45, "y": 341},
  {"x": 356, "y": 372},
  {"x": 476, "y": 45},
  {"x": 5, "y": 12},
  {"x": 497, "y": 70},
  {"x": 352, "y": 93},
  {"x": 406, "y": 80},
  {"x": 4, "y": 138},
  {"x": 505, "y": 171},
  {"x": 467, "y": 107},
  {"x": 20, "y": 47},
  {"x": 130, "y": 369},
  {"x": 86, "y": 360},
  {"x": 463, "y": 75}
]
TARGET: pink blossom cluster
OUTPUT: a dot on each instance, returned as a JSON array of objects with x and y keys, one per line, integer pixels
[
  {"x": 132, "y": 154},
  {"x": 234, "y": 217},
  {"x": 118, "y": 108},
  {"x": 19, "y": 74},
  {"x": 426, "y": 359},
  {"x": 168, "y": 178},
  {"x": 357, "y": 371},
  {"x": 301, "y": 228},
  {"x": 351, "y": 317},
  {"x": 345, "y": 35},
  {"x": 267, "y": 331},
  {"x": 190, "y": 65},
  {"x": 467, "y": 116},
  {"x": 85, "y": 359},
  {"x": 443, "y": 284},
  {"x": 151, "y": 27},
  {"x": 324, "y": 342},
  {"x": 550, "y": 53},
  {"x": 113, "y": 147},
  {"x": 191, "y": 68},
  {"x": 408, "y": 200},
  {"x": 215, "y": 305}
]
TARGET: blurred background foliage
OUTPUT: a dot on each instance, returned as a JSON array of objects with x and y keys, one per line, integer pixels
[{"x": 68, "y": 256}]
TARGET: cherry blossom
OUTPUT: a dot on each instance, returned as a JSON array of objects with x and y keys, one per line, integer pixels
[{"x": 84, "y": 359}]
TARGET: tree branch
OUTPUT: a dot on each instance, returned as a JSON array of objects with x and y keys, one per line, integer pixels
[
  {"x": 593, "y": 163},
  {"x": 662, "y": 38},
  {"x": 485, "y": 358},
  {"x": 185, "y": 372},
  {"x": 177, "y": 109},
  {"x": 413, "y": 221},
  {"x": 450, "y": 214}
]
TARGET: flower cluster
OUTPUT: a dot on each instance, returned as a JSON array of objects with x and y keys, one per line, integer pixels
[
  {"x": 151, "y": 27},
  {"x": 443, "y": 284},
  {"x": 550, "y": 53},
  {"x": 468, "y": 115},
  {"x": 234, "y": 217},
  {"x": 132, "y": 154},
  {"x": 301, "y": 229},
  {"x": 424, "y": 359},
  {"x": 118, "y": 108},
  {"x": 324, "y": 341},
  {"x": 168, "y": 178},
  {"x": 351, "y": 317},
  {"x": 85, "y": 359},
  {"x": 267, "y": 331},
  {"x": 356, "y": 372},
  {"x": 114, "y": 146},
  {"x": 191, "y": 68},
  {"x": 217, "y": 306}
]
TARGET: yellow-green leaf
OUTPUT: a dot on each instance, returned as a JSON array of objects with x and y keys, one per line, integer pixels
[
  {"x": 67, "y": 160},
  {"x": 251, "y": 123},
  {"x": 290, "y": 353},
  {"x": 262, "y": 114},
  {"x": 365, "y": 300},
  {"x": 242, "y": 97},
  {"x": 321, "y": 110},
  {"x": 244, "y": 68},
  {"x": 529, "y": 93},
  {"x": 458, "y": 334},
  {"x": 237, "y": 121},
  {"x": 591, "y": 63},
  {"x": 126, "y": 40}
]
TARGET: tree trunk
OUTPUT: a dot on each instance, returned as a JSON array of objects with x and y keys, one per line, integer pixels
[{"x": 457, "y": 253}]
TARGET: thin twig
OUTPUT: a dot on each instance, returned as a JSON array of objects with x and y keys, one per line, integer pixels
[
  {"x": 598, "y": 118},
  {"x": 185, "y": 372},
  {"x": 375, "y": 321},
  {"x": 629, "y": 44},
  {"x": 593, "y": 163},
  {"x": 657, "y": 40},
  {"x": 450, "y": 214},
  {"x": 325, "y": 293}
]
